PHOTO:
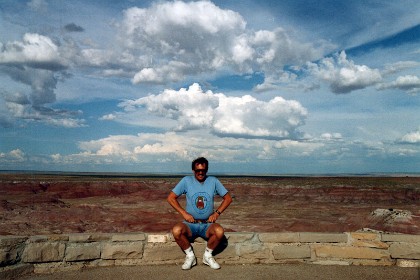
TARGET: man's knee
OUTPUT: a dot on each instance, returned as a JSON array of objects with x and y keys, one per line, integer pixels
[
  {"x": 178, "y": 230},
  {"x": 220, "y": 231},
  {"x": 217, "y": 230}
]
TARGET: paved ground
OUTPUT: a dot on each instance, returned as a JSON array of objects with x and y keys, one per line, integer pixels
[{"x": 202, "y": 272}]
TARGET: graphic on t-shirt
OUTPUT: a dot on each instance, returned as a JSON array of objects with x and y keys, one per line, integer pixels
[{"x": 202, "y": 203}]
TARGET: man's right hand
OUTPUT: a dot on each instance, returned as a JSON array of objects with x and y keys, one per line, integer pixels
[
  {"x": 172, "y": 199},
  {"x": 189, "y": 218}
]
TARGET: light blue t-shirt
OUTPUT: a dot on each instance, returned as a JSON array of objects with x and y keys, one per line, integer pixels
[{"x": 200, "y": 196}]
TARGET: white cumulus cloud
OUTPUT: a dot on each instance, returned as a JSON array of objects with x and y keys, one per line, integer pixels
[
  {"x": 35, "y": 50},
  {"x": 38, "y": 63},
  {"x": 143, "y": 147},
  {"x": 16, "y": 155},
  {"x": 344, "y": 75},
  {"x": 411, "y": 138},
  {"x": 171, "y": 40},
  {"x": 248, "y": 117},
  {"x": 243, "y": 117},
  {"x": 108, "y": 117}
]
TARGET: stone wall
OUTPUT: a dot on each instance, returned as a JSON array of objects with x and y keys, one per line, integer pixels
[{"x": 50, "y": 253}]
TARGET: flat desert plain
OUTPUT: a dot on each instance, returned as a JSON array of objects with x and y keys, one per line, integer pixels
[{"x": 32, "y": 204}]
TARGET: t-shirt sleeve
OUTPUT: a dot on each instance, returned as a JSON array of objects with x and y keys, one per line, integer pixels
[
  {"x": 220, "y": 189},
  {"x": 180, "y": 188}
]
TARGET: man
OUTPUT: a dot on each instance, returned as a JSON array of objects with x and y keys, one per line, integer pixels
[{"x": 199, "y": 218}]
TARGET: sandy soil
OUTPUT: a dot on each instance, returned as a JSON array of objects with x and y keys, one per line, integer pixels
[{"x": 45, "y": 204}]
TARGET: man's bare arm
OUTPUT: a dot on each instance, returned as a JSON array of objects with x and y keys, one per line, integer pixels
[
  {"x": 227, "y": 200},
  {"x": 173, "y": 201}
]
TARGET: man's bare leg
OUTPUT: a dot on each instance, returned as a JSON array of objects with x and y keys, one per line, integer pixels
[
  {"x": 215, "y": 234},
  {"x": 181, "y": 232}
]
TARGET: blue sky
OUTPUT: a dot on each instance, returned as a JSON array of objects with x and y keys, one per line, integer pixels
[{"x": 257, "y": 87}]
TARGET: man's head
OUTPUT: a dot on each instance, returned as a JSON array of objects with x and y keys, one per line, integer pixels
[{"x": 200, "y": 166}]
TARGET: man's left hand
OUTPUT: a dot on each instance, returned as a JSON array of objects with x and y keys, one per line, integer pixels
[{"x": 213, "y": 217}]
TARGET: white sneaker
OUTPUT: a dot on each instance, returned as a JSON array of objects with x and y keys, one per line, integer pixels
[
  {"x": 210, "y": 261},
  {"x": 190, "y": 261}
]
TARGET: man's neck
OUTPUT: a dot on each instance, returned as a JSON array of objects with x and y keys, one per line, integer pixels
[{"x": 201, "y": 182}]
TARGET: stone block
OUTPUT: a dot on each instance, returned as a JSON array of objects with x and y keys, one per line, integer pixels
[
  {"x": 408, "y": 263},
  {"x": 123, "y": 250},
  {"x": 43, "y": 252},
  {"x": 80, "y": 237},
  {"x": 365, "y": 235},
  {"x": 81, "y": 252},
  {"x": 282, "y": 237},
  {"x": 400, "y": 238},
  {"x": 99, "y": 236},
  {"x": 88, "y": 237},
  {"x": 367, "y": 239},
  {"x": 319, "y": 237},
  {"x": 238, "y": 237},
  {"x": 405, "y": 250},
  {"x": 331, "y": 262},
  {"x": 122, "y": 237},
  {"x": 37, "y": 239},
  {"x": 10, "y": 240},
  {"x": 58, "y": 237},
  {"x": 291, "y": 252},
  {"x": 256, "y": 251},
  {"x": 171, "y": 237},
  {"x": 157, "y": 238},
  {"x": 11, "y": 249},
  {"x": 369, "y": 243},
  {"x": 228, "y": 253},
  {"x": 8, "y": 256},
  {"x": 328, "y": 251},
  {"x": 162, "y": 252}
]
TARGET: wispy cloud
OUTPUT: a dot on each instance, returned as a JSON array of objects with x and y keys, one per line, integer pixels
[
  {"x": 409, "y": 83},
  {"x": 38, "y": 5}
]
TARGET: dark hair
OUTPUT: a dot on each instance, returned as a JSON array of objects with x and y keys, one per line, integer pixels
[{"x": 200, "y": 160}]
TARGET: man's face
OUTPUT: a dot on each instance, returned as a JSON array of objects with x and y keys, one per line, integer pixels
[{"x": 200, "y": 172}]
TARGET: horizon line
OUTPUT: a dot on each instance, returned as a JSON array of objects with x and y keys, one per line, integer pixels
[{"x": 222, "y": 174}]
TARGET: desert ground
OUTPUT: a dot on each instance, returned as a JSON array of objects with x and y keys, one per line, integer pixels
[{"x": 32, "y": 204}]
